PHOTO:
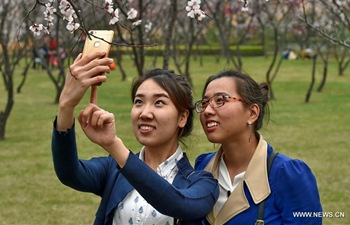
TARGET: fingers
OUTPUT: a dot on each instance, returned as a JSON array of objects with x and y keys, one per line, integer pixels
[
  {"x": 92, "y": 56},
  {"x": 93, "y": 95},
  {"x": 91, "y": 66},
  {"x": 93, "y": 61},
  {"x": 78, "y": 57},
  {"x": 96, "y": 59},
  {"x": 95, "y": 116}
]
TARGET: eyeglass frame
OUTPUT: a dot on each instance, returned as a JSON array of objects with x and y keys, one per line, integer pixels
[{"x": 225, "y": 97}]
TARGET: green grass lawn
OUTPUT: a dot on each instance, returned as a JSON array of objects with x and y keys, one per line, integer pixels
[{"x": 317, "y": 133}]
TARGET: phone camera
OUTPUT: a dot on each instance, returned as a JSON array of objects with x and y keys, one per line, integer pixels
[{"x": 97, "y": 44}]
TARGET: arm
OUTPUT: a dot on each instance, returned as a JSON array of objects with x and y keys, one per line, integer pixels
[
  {"x": 297, "y": 192},
  {"x": 83, "y": 73},
  {"x": 82, "y": 175},
  {"x": 193, "y": 202},
  {"x": 202, "y": 160},
  {"x": 190, "y": 203}
]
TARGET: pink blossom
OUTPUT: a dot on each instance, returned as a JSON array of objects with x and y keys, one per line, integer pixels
[
  {"x": 132, "y": 14},
  {"x": 194, "y": 10},
  {"x": 36, "y": 29},
  {"x": 137, "y": 23},
  {"x": 114, "y": 17}
]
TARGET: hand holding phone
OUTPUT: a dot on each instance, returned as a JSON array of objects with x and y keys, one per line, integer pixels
[{"x": 99, "y": 42}]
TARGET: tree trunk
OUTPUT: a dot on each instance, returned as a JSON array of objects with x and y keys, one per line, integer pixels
[
  {"x": 169, "y": 34},
  {"x": 342, "y": 66},
  {"x": 154, "y": 61},
  {"x": 119, "y": 58},
  {"x": 269, "y": 80},
  {"x": 4, "y": 115},
  {"x": 308, "y": 94},
  {"x": 24, "y": 74},
  {"x": 3, "y": 120},
  {"x": 324, "y": 77}
]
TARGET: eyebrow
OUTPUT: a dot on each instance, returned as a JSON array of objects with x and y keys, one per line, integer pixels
[
  {"x": 218, "y": 93},
  {"x": 158, "y": 95}
]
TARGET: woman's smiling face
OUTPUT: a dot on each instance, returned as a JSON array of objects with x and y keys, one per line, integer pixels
[
  {"x": 230, "y": 120},
  {"x": 156, "y": 120}
]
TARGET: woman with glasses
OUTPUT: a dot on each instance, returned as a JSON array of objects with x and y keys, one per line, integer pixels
[
  {"x": 156, "y": 186},
  {"x": 257, "y": 186}
]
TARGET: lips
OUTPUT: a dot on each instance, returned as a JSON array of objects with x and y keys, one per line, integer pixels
[
  {"x": 146, "y": 128},
  {"x": 212, "y": 124}
]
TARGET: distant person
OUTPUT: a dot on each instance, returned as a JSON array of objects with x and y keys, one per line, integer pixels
[
  {"x": 61, "y": 55},
  {"x": 285, "y": 54},
  {"x": 53, "y": 44},
  {"x": 231, "y": 111},
  {"x": 307, "y": 53},
  {"x": 45, "y": 48},
  {"x": 36, "y": 58},
  {"x": 157, "y": 185},
  {"x": 292, "y": 55},
  {"x": 289, "y": 54}
]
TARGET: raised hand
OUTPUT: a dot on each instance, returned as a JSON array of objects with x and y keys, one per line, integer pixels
[
  {"x": 83, "y": 73},
  {"x": 99, "y": 126}
]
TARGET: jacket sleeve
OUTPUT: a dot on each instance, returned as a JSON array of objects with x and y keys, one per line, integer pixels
[
  {"x": 82, "y": 175},
  {"x": 297, "y": 196},
  {"x": 202, "y": 160},
  {"x": 192, "y": 202}
]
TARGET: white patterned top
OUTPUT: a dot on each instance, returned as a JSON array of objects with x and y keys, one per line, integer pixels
[{"x": 135, "y": 210}]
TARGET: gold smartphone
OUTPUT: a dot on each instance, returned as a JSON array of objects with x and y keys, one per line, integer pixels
[{"x": 99, "y": 42}]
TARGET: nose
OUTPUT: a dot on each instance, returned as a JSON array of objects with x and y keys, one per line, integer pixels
[
  {"x": 146, "y": 112},
  {"x": 209, "y": 111}
]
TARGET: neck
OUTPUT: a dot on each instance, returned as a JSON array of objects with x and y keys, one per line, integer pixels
[
  {"x": 153, "y": 157},
  {"x": 237, "y": 155}
]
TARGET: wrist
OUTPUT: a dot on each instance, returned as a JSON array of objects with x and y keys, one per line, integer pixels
[
  {"x": 118, "y": 151},
  {"x": 65, "y": 104},
  {"x": 65, "y": 117}
]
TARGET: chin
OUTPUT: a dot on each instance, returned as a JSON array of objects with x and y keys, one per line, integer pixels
[
  {"x": 213, "y": 139},
  {"x": 146, "y": 141}
]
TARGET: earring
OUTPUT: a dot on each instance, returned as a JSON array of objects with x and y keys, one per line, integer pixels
[{"x": 249, "y": 126}]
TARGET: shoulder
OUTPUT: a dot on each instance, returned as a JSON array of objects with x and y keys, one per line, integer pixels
[
  {"x": 292, "y": 177},
  {"x": 292, "y": 182},
  {"x": 202, "y": 160},
  {"x": 289, "y": 168}
]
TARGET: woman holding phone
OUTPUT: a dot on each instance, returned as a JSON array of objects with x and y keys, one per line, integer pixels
[{"x": 157, "y": 185}]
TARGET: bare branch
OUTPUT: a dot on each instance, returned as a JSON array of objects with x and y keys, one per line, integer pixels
[{"x": 324, "y": 34}]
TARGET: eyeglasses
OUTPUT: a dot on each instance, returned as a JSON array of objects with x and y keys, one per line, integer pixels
[{"x": 215, "y": 102}]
